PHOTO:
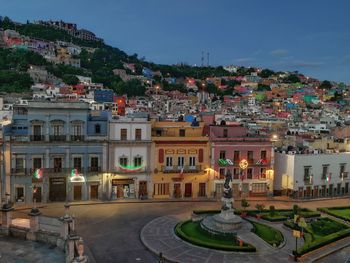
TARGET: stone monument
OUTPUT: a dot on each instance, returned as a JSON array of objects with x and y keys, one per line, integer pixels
[{"x": 226, "y": 221}]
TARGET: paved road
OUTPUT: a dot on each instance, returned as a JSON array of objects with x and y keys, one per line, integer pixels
[
  {"x": 112, "y": 230},
  {"x": 340, "y": 256}
]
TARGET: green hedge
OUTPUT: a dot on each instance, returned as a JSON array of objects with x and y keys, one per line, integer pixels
[
  {"x": 267, "y": 233},
  {"x": 323, "y": 241},
  {"x": 329, "y": 211},
  {"x": 218, "y": 243},
  {"x": 311, "y": 242}
]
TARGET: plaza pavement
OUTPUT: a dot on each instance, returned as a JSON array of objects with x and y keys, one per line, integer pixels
[
  {"x": 158, "y": 236},
  {"x": 112, "y": 229}
]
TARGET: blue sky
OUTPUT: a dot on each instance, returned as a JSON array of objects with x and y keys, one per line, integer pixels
[{"x": 310, "y": 36}]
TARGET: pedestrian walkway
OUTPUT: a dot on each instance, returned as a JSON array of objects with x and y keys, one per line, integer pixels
[
  {"x": 14, "y": 250},
  {"x": 158, "y": 236}
]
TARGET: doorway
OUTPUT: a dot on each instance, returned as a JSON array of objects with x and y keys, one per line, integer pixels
[
  {"x": 77, "y": 192},
  {"x": 202, "y": 192},
  {"x": 94, "y": 192},
  {"x": 188, "y": 190}
]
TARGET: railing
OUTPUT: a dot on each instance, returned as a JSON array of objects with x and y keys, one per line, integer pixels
[
  {"x": 77, "y": 138},
  {"x": 179, "y": 169},
  {"x": 57, "y": 170},
  {"x": 19, "y": 171},
  {"x": 121, "y": 170},
  {"x": 58, "y": 138},
  {"x": 94, "y": 169},
  {"x": 308, "y": 180},
  {"x": 37, "y": 138}
]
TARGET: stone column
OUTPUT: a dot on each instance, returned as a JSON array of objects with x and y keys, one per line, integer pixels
[
  {"x": 6, "y": 218},
  {"x": 33, "y": 223},
  {"x": 71, "y": 239},
  {"x": 80, "y": 247}
]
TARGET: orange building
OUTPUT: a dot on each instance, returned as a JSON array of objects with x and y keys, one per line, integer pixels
[{"x": 180, "y": 158}]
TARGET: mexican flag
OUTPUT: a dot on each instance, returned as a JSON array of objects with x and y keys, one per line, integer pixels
[
  {"x": 74, "y": 172},
  {"x": 38, "y": 174}
]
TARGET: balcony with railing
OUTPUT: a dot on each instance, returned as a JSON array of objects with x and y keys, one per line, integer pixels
[
  {"x": 19, "y": 171},
  {"x": 77, "y": 138},
  {"x": 37, "y": 138},
  {"x": 182, "y": 169},
  {"x": 130, "y": 170},
  {"x": 93, "y": 169},
  {"x": 58, "y": 138}
]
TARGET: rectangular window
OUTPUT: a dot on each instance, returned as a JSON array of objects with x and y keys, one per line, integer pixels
[
  {"x": 57, "y": 164},
  {"x": 138, "y": 134},
  {"x": 77, "y": 130},
  {"x": 250, "y": 157},
  {"x": 19, "y": 194},
  {"x": 263, "y": 155},
  {"x": 259, "y": 188},
  {"x": 263, "y": 173},
  {"x": 235, "y": 173},
  {"x": 123, "y": 161},
  {"x": 342, "y": 169},
  {"x": 182, "y": 132},
  {"x": 192, "y": 161},
  {"x": 324, "y": 171},
  {"x": 222, "y": 172},
  {"x": 57, "y": 129},
  {"x": 137, "y": 161},
  {"x": 222, "y": 155},
  {"x": 225, "y": 133},
  {"x": 249, "y": 173},
  {"x": 236, "y": 156},
  {"x": 161, "y": 189},
  {"x": 77, "y": 163},
  {"x": 97, "y": 128},
  {"x": 36, "y": 163},
  {"x": 123, "y": 134},
  {"x": 37, "y": 130},
  {"x": 94, "y": 164},
  {"x": 181, "y": 161},
  {"x": 169, "y": 161},
  {"x": 307, "y": 173},
  {"x": 19, "y": 164}
]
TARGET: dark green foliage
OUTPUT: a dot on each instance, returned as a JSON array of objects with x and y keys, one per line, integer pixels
[
  {"x": 70, "y": 79},
  {"x": 266, "y": 73},
  {"x": 272, "y": 211},
  {"x": 12, "y": 81},
  {"x": 267, "y": 233},
  {"x": 193, "y": 233},
  {"x": 325, "y": 85}
]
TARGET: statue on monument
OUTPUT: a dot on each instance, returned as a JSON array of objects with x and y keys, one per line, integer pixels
[{"x": 227, "y": 192}]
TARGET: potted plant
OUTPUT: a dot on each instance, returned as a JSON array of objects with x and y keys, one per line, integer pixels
[
  {"x": 260, "y": 208},
  {"x": 245, "y": 205}
]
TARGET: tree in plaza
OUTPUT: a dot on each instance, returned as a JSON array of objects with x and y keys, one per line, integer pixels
[
  {"x": 272, "y": 211},
  {"x": 245, "y": 204}
]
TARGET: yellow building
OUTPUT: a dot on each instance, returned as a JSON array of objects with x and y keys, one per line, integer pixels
[{"x": 180, "y": 159}]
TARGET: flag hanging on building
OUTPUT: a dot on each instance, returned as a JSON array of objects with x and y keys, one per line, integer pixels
[
  {"x": 74, "y": 172},
  {"x": 38, "y": 174}
]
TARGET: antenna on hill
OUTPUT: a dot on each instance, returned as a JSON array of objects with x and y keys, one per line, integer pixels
[
  {"x": 202, "y": 59},
  {"x": 208, "y": 54}
]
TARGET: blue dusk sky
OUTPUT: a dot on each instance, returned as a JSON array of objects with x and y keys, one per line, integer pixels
[{"x": 311, "y": 36}]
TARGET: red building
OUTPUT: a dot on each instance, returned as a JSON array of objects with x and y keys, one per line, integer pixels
[{"x": 247, "y": 158}]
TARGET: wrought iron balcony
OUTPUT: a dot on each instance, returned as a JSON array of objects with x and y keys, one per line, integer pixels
[
  {"x": 19, "y": 171},
  {"x": 77, "y": 138},
  {"x": 37, "y": 138},
  {"x": 94, "y": 169},
  {"x": 179, "y": 169},
  {"x": 58, "y": 138}
]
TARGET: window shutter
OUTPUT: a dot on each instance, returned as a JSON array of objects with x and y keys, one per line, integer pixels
[
  {"x": 200, "y": 155},
  {"x": 161, "y": 155}
]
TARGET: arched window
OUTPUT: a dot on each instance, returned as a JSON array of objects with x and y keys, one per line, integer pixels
[{"x": 97, "y": 128}]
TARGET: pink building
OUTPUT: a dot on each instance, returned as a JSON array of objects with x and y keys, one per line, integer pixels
[{"x": 247, "y": 158}]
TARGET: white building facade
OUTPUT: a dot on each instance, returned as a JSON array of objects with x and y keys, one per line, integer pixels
[
  {"x": 129, "y": 158},
  {"x": 315, "y": 175}
]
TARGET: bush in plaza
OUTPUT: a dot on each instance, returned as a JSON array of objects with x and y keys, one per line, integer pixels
[
  {"x": 267, "y": 233},
  {"x": 272, "y": 212},
  {"x": 342, "y": 212},
  {"x": 193, "y": 233}
]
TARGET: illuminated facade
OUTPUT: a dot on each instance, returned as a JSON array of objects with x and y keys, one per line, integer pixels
[
  {"x": 247, "y": 158},
  {"x": 129, "y": 158},
  {"x": 57, "y": 152},
  {"x": 312, "y": 175},
  {"x": 180, "y": 159}
]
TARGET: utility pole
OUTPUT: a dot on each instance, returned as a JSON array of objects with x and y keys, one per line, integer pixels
[{"x": 202, "y": 59}]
